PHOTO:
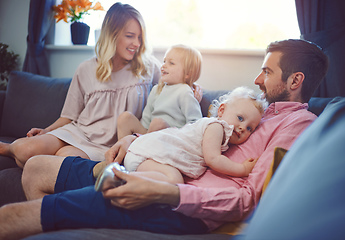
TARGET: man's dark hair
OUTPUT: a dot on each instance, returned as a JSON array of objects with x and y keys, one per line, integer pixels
[{"x": 301, "y": 56}]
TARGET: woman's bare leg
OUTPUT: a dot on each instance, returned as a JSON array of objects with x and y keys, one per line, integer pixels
[
  {"x": 24, "y": 148},
  {"x": 71, "y": 151},
  {"x": 5, "y": 149},
  {"x": 19, "y": 220}
]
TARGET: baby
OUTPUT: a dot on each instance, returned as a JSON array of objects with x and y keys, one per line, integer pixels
[{"x": 170, "y": 153}]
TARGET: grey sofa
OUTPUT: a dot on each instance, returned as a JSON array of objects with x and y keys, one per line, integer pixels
[
  {"x": 29, "y": 101},
  {"x": 36, "y": 101}
]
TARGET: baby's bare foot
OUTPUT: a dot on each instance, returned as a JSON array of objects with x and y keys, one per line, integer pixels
[
  {"x": 4, "y": 149},
  {"x": 98, "y": 168}
]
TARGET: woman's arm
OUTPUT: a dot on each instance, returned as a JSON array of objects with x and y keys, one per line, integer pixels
[
  {"x": 58, "y": 123},
  {"x": 211, "y": 145},
  {"x": 147, "y": 112},
  {"x": 118, "y": 151},
  {"x": 197, "y": 92},
  {"x": 61, "y": 121}
]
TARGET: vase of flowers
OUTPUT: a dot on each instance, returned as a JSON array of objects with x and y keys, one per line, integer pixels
[
  {"x": 73, "y": 11},
  {"x": 80, "y": 33}
]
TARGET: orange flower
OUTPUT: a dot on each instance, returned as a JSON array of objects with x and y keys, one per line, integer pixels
[
  {"x": 97, "y": 6},
  {"x": 74, "y": 9}
]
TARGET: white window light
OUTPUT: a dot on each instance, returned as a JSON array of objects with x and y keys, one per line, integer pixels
[{"x": 217, "y": 24}]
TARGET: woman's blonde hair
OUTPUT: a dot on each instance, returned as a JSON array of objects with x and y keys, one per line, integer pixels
[
  {"x": 114, "y": 23},
  {"x": 238, "y": 93},
  {"x": 191, "y": 65}
]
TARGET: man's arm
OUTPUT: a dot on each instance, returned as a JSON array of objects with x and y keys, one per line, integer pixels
[{"x": 139, "y": 192}]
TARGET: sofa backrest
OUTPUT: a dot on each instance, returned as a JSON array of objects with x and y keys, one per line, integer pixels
[
  {"x": 36, "y": 101},
  {"x": 31, "y": 101},
  {"x": 207, "y": 97}
]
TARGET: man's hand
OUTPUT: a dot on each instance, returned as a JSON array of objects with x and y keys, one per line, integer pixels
[
  {"x": 140, "y": 192},
  {"x": 118, "y": 151}
]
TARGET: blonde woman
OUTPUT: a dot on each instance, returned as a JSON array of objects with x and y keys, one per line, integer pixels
[
  {"x": 118, "y": 79},
  {"x": 171, "y": 103}
]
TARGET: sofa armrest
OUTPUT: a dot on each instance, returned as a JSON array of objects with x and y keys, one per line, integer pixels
[
  {"x": 318, "y": 104},
  {"x": 2, "y": 101}
]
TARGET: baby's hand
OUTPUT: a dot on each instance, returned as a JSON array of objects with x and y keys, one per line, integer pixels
[{"x": 249, "y": 165}]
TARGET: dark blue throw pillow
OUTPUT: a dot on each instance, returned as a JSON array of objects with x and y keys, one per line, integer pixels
[{"x": 32, "y": 101}]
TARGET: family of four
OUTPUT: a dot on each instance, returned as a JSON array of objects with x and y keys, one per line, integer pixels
[{"x": 191, "y": 176}]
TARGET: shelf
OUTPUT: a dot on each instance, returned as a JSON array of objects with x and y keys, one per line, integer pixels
[
  {"x": 233, "y": 52},
  {"x": 70, "y": 47}
]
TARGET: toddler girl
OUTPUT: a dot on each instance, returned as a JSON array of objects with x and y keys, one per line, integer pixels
[
  {"x": 169, "y": 153},
  {"x": 171, "y": 103}
]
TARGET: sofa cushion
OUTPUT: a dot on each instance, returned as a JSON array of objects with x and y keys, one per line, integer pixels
[
  {"x": 317, "y": 104},
  {"x": 2, "y": 100},
  {"x": 12, "y": 192},
  {"x": 32, "y": 101},
  {"x": 207, "y": 97},
  {"x": 105, "y": 234},
  {"x": 278, "y": 156}
]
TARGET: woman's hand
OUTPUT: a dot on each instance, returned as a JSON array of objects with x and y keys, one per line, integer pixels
[
  {"x": 118, "y": 151},
  {"x": 140, "y": 191},
  {"x": 58, "y": 123},
  {"x": 197, "y": 92},
  {"x": 36, "y": 131}
]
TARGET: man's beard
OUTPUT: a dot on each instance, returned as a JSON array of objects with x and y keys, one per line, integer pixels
[{"x": 278, "y": 95}]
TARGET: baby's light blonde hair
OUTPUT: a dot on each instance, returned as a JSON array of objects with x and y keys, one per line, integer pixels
[
  {"x": 191, "y": 65},
  {"x": 114, "y": 23},
  {"x": 238, "y": 93}
]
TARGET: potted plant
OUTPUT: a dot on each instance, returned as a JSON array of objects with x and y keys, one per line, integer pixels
[
  {"x": 8, "y": 63},
  {"x": 74, "y": 11}
]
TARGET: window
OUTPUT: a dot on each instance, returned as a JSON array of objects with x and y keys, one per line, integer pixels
[{"x": 217, "y": 24}]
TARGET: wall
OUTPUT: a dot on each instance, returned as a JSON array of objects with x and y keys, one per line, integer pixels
[
  {"x": 222, "y": 69},
  {"x": 14, "y": 16}
]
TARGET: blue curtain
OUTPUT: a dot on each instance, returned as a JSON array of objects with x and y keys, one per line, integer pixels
[
  {"x": 41, "y": 18},
  {"x": 323, "y": 22}
]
